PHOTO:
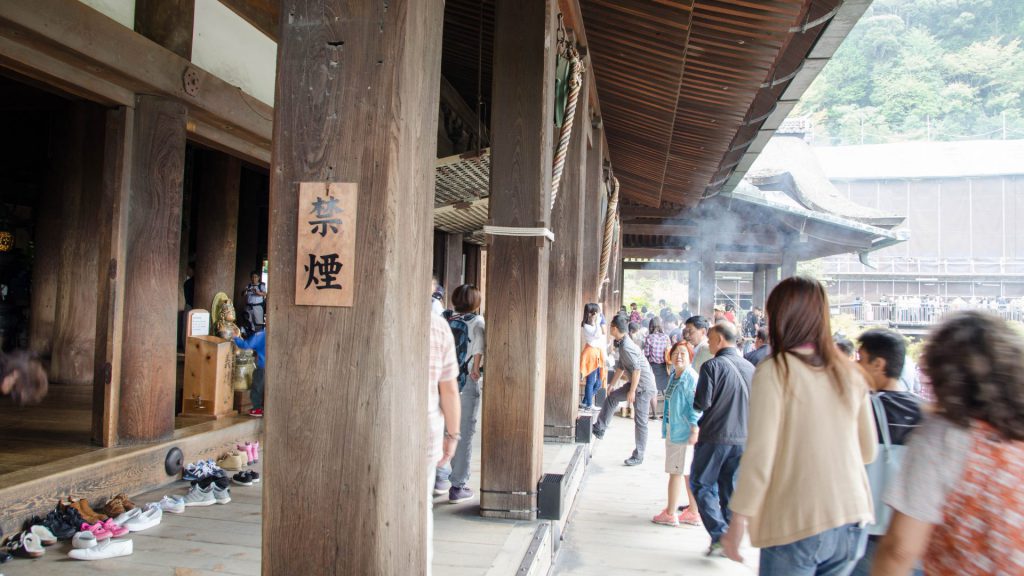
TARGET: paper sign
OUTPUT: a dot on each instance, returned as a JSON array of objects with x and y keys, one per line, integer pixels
[
  {"x": 326, "y": 244},
  {"x": 198, "y": 323}
]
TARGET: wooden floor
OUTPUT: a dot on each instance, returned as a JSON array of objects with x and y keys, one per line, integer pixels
[{"x": 611, "y": 531}]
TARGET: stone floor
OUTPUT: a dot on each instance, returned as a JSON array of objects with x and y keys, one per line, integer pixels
[{"x": 611, "y": 531}]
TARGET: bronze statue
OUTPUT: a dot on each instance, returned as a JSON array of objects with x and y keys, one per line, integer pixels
[{"x": 225, "y": 313}]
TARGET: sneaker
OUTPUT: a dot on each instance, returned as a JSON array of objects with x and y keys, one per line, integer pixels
[
  {"x": 172, "y": 504},
  {"x": 232, "y": 461},
  {"x": 633, "y": 461},
  {"x": 221, "y": 495},
  {"x": 146, "y": 520},
  {"x": 666, "y": 519},
  {"x": 103, "y": 550},
  {"x": 83, "y": 539},
  {"x": 98, "y": 530},
  {"x": 256, "y": 412},
  {"x": 242, "y": 479},
  {"x": 690, "y": 518},
  {"x": 597, "y": 432},
  {"x": 715, "y": 550},
  {"x": 46, "y": 537},
  {"x": 116, "y": 530},
  {"x": 199, "y": 496},
  {"x": 254, "y": 476},
  {"x": 441, "y": 487},
  {"x": 459, "y": 494},
  {"x": 25, "y": 545},
  {"x": 126, "y": 516}
]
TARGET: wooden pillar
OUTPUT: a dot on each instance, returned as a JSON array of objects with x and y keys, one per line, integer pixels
[
  {"x": 568, "y": 258},
  {"x": 46, "y": 240},
  {"x": 253, "y": 190},
  {"x": 367, "y": 443},
  {"x": 218, "y": 184},
  {"x": 594, "y": 206},
  {"x": 74, "y": 328},
  {"x": 473, "y": 271},
  {"x": 693, "y": 290},
  {"x": 452, "y": 265},
  {"x": 788, "y": 264},
  {"x": 153, "y": 230},
  {"x": 771, "y": 280},
  {"x": 707, "y": 282},
  {"x": 521, "y": 155},
  {"x": 111, "y": 238},
  {"x": 758, "y": 297}
]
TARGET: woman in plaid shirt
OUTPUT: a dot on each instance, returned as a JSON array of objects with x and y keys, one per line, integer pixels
[{"x": 655, "y": 346}]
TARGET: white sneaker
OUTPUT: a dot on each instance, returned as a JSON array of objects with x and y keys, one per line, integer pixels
[
  {"x": 221, "y": 496},
  {"x": 126, "y": 516},
  {"x": 146, "y": 520},
  {"x": 172, "y": 504},
  {"x": 103, "y": 550},
  {"x": 83, "y": 539},
  {"x": 199, "y": 497}
]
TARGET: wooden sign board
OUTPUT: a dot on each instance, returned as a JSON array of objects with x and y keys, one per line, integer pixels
[{"x": 326, "y": 244}]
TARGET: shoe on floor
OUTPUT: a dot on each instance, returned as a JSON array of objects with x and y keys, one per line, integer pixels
[
  {"x": 172, "y": 504},
  {"x": 83, "y": 539},
  {"x": 715, "y": 550},
  {"x": 199, "y": 496},
  {"x": 690, "y": 518},
  {"x": 665, "y": 519},
  {"x": 458, "y": 494},
  {"x": 149, "y": 518},
  {"x": 221, "y": 495},
  {"x": 243, "y": 478},
  {"x": 441, "y": 487},
  {"x": 254, "y": 476},
  {"x": 25, "y": 545},
  {"x": 46, "y": 537},
  {"x": 256, "y": 412},
  {"x": 232, "y": 461},
  {"x": 88, "y": 514},
  {"x": 126, "y": 516},
  {"x": 633, "y": 461},
  {"x": 103, "y": 550},
  {"x": 115, "y": 529}
]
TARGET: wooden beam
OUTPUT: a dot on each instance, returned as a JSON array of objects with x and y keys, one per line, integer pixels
[
  {"x": 56, "y": 73},
  {"x": 84, "y": 38},
  {"x": 565, "y": 292},
  {"x": 264, "y": 15},
  {"x": 693, "y": 289},
  {"x": 169, "y": 23},
  {"x": 391, "y": 62},
  {"x": 771, "y": 280},
  {"x": 595, "y": 205},
  {"x": 662, "y": 229},
  {"x": 731, "y": 256},
  {"x": 81, "y": 166},
  {"x": 218, "y": 182},
  {"x": 451, "y": 97},
  {"x": 148, "y": 359},
  {"x": 112, "y": 250},
  {"x": 517, "y": 293}
]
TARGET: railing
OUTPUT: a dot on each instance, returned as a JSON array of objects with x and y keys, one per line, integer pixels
[{"x": 899, "y": 314}]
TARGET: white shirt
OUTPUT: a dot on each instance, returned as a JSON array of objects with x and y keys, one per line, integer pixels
[{"x": 593, "y": 336}]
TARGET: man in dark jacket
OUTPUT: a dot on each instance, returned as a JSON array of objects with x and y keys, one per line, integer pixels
[
  {"x": 723, "y": 393},
  {"x": 761, "y": 348}
]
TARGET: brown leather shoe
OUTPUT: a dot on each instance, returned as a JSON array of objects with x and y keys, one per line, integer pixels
[
  {"x": 88, "y": 514},
  {"x": 118, "y": 505}
]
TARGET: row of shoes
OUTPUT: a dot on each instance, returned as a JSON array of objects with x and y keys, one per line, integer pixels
[{"x": 101, "y": 541}]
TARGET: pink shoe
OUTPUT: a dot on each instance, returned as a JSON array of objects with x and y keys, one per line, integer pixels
[
  {"x": 690, "y": 518},
  {"x": 115, "y": 530},
  {"x": 97, "y": 530},
  {"x": 247, "y": 448},
  {"x": 666, "y": 519},
  {"x": 255, "y": 452}
]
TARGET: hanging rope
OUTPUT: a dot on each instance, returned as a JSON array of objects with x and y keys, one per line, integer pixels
[
  {"x": 609, "y": 232},
  {"x": 575, "y": 83}
]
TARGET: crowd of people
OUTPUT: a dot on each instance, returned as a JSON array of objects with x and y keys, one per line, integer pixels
[{"x": 813, "y": 445}]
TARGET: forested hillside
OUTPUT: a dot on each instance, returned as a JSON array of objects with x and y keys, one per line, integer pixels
[{"x": 924, "y": 69}]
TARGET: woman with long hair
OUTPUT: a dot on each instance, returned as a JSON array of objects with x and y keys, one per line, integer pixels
[
  {"x": 655, "y": 347},
  {"x": 958, "y": 500},
  {"x": 592, "y": 359},
  {"x": 802, "y": 488}
]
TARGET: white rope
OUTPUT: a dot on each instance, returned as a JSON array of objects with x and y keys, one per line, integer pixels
[{"x": 521, "y": 232}]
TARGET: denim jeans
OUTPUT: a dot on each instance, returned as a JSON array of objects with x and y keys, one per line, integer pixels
[
  {"x": 256, "y": 392},
  {"x": 713, "y": 479},
  {"x": 593, "y": 384},
  {"x": 457, "y": 472},
  {"x": 833, "y": 552},
  {"x": 863, "y": 567}
]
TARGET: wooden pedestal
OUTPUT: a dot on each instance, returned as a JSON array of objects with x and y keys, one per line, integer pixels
[{"x": 207, "y": 388}]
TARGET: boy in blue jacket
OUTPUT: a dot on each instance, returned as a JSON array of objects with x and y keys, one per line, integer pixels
[{"x": 257, "y": 343}]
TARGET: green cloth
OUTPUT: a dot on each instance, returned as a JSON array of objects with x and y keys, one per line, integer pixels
[{"x": 563, "y": 72}]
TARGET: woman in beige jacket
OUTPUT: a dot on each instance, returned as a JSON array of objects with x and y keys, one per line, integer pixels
[{"x": 802, "y": 487}]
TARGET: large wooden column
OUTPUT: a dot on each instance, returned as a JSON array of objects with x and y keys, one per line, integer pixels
[
  {"x": 517, "y": 268},
  {"x": 150, "y": 268},
  {"x": 771, "y": 280},
  {"x": 112, "y": 248},
  {"x": 594, "y": 210},
  {"x": 247, "y": 254},
  {"x": 46, "y": 241},
  {"x": 693, "y": 290},
  {"x": 788, "y": 264},
  {"x": 758, "y": 287},
  {"x": 74, "y": 328},
  {"x": 452, "y": 265},
  {"x": 568, "y": 259},
  {"x": 217, "y": 227},
  {"x": 357, "y": 100}
]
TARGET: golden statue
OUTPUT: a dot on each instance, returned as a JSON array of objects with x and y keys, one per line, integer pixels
[{"x": 224, "y": 310}]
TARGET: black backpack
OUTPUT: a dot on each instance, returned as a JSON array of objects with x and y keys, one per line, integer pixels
[{"x": 460, "y": 330}]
